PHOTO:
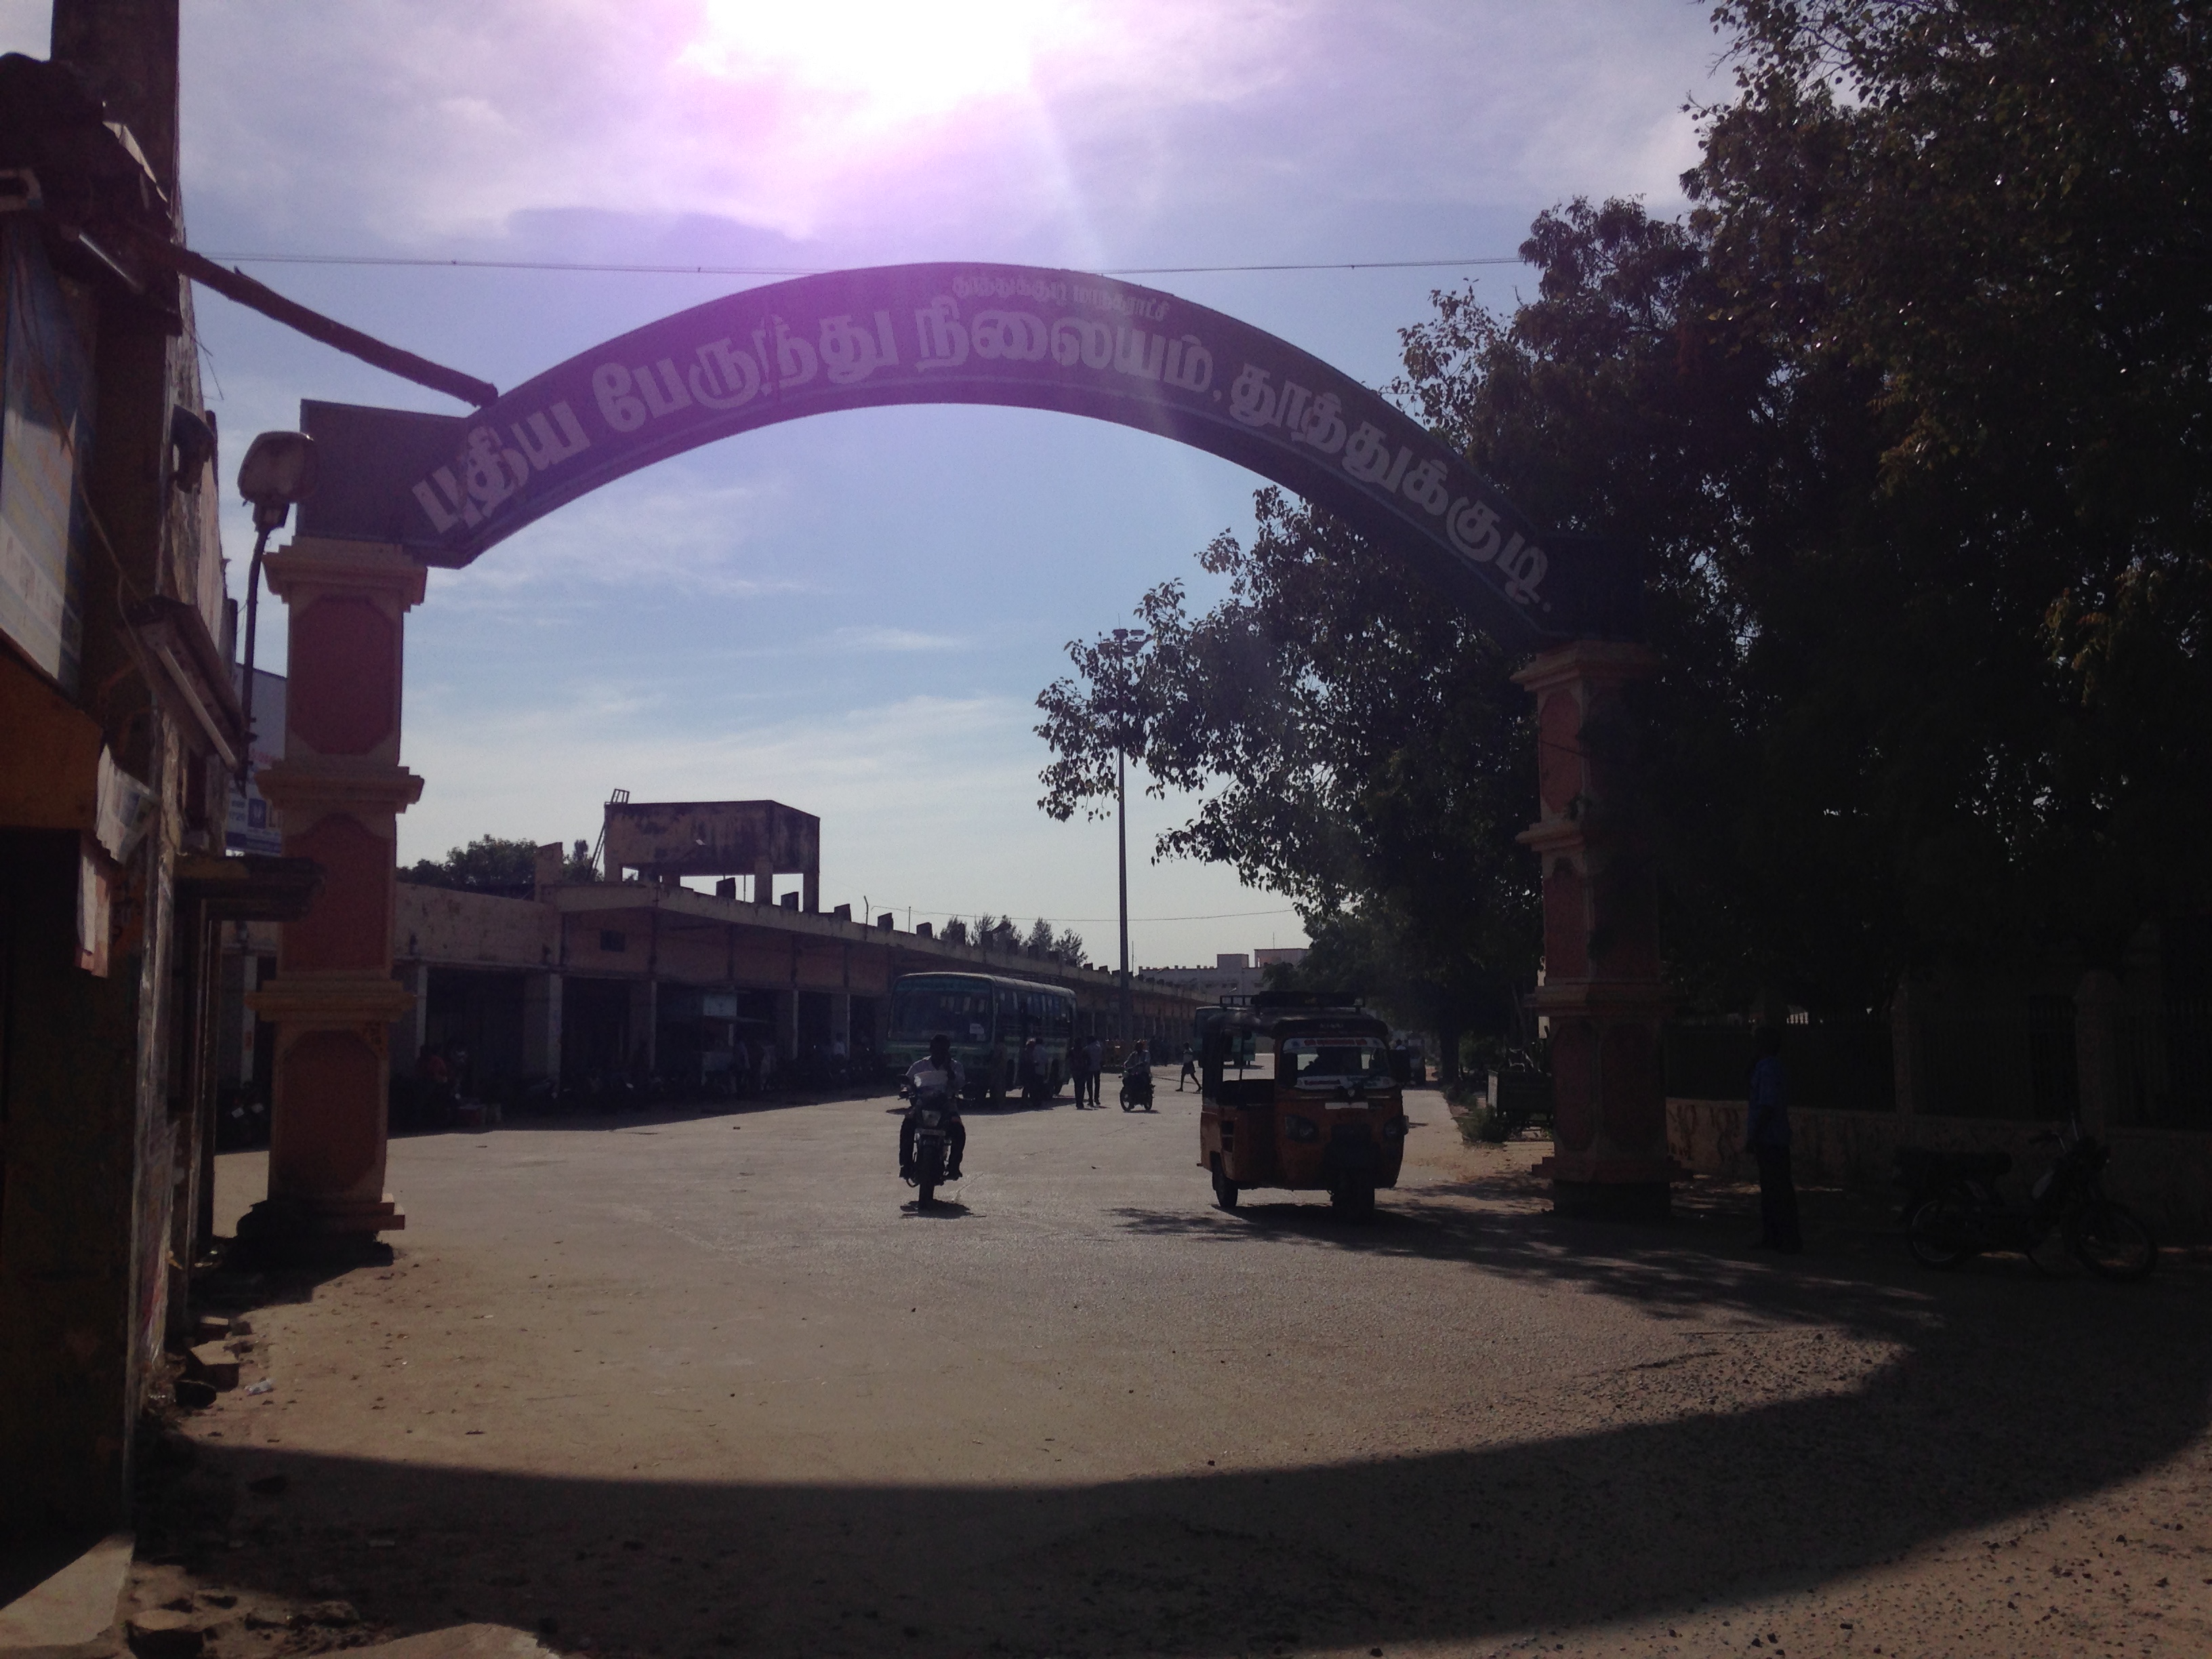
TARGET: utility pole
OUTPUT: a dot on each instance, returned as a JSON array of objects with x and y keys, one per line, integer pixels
[
  {"x": 1127, "y": 641},
  {"x": 1122, "y": 825}
]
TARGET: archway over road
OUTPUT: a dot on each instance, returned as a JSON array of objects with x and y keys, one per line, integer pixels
[{"x": 401, "y": 491}]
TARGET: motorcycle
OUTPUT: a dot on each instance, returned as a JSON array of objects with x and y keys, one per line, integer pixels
[
  {"x": 1136, "y": 1091},
  {"x": 1954, "y": 1209},
  {"x": 932, "y": 1142}
]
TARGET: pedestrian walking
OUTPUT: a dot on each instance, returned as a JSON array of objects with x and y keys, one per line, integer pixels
[
  {"x": 1766, "y": 1138},
  {"x": 1189, "y": 1074}
]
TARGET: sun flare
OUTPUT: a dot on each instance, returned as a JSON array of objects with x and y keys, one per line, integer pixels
[{"x": 896, "y": 59}]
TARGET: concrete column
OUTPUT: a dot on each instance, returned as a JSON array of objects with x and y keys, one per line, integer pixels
[
  {"x": 541, "y": 1025},
  {"x": 841, "y": 1017},
  {"x": 644, "y": 1021},
  {"x": 412, "y": 1029},
  {"x": 341, "y": 789},
  {"x": 2097, "y": 1051},
  {"x": 249, "y": 975},
  {"x": 1904, "y": 1047},
  {"x": 1601, "y": 992},
  {"x": 786, "y": 1024}
]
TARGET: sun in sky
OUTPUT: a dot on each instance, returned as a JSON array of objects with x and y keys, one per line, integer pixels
[{"x": 887, "y": 61}]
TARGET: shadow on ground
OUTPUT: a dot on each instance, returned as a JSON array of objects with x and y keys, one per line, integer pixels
[{"x": 2003, "y": 1394}]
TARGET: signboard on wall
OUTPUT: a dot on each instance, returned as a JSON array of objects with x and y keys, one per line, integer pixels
[
  {"x": 253, "y": 826},
  {"x": 45, "y": 421}
]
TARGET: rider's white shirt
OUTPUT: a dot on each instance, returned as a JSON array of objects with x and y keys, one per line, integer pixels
[{"x": 926, "y": 1077}]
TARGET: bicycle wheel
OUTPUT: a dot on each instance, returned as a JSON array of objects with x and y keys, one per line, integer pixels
[
  {"x": 1940, "y": 1235},
  {"x": 2111, "y": 1242}
]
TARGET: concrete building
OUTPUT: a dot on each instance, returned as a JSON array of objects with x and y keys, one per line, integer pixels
[
  {"x": 119, "y": 727},
  {"x": 1234, "y": 973},
  {"x": 586, "y": 978}
]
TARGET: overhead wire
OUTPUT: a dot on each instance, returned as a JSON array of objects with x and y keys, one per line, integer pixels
[{"x": 407, "y": 262}]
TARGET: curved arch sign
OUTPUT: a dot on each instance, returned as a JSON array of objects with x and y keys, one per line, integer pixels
[{"x": 449, "y": 489}]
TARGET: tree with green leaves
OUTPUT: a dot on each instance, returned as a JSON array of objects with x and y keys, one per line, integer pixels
[
  {"x": 1908, "y": 423},
  {"x": 487, "y": 865}
]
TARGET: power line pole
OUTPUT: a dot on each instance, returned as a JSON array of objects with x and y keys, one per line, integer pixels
[
  {"x": 1127, "y": 641},
  {"x": 1122, "y": 825}
]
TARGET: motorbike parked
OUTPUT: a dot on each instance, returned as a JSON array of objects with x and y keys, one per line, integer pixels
[{"x": 1954, "y": 1209}]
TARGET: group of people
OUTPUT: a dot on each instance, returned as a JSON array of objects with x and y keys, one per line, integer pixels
[{"x": 1086, "y": 1062}]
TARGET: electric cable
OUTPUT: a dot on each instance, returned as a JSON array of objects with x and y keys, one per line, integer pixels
[{"x": 406, "y": 262}]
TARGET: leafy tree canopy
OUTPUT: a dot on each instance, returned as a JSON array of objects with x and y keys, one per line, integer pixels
[
  {"x": 486, "y": 865},
  {"x": 1908, "y": 420}
]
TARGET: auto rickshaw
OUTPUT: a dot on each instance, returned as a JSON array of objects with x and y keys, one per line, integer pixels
[{"x": 1298, "y": 1094}]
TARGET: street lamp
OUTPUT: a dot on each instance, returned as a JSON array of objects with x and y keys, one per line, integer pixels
[
  {"x": 1127, "y": 641},
  {"x": 279, "y": 470}
]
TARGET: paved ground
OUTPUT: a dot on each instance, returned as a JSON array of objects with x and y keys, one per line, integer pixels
[{"x": 693, "y": 1386}]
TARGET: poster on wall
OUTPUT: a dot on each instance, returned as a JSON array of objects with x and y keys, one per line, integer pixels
[
  {"x": 253, "y": 826},
  {"x": 45, "y": 416}
]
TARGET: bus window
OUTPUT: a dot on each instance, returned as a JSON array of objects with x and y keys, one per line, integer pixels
[{"x": 920, "y": 1012}]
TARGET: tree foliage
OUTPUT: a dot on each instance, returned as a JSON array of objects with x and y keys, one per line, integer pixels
[
  {"x": 487, "y": 865},
  {"x": 1909, "y": 420}
]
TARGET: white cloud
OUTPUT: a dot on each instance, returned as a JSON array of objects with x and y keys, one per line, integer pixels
[
  {"x": 665, "y": 530},
  {"x": 408, "y": 122},
  {"x": 892, "y": 639}
]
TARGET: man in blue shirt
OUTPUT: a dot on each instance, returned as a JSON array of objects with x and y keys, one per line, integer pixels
[{"x": 1766, "y": 1138}]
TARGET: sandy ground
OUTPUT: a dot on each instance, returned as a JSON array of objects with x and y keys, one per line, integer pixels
[{"x": 698, "y": 1386}]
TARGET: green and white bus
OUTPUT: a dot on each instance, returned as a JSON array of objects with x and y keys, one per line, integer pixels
[{"x": 988, "y": 1019}]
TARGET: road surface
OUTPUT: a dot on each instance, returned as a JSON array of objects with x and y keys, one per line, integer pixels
[{"x": 710, "y": 1385}]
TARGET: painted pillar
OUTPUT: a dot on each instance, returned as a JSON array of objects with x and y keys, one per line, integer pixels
[
  {"x": 541, "y": 1025},
  {"x": 644, "y": 1025},
  {"x": 413, "y": 1029},
  {"x": 341, "y": 789},
  {"x": 1601, "y": 992},
  {"x": 2097, "y": 1051}
]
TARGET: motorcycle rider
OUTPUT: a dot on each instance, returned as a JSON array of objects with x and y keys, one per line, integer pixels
[
  {"x": 1137, "y": 1074},
  {"x": 936, "y": 1078}
]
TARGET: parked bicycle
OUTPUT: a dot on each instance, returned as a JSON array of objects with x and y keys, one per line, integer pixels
[{"x": 1953, "y": 1208}]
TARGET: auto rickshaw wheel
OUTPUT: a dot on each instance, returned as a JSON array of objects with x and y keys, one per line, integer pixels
[
  {"x": 1224, "y": 1189},
  {"x": 1352, "y": 1201}
]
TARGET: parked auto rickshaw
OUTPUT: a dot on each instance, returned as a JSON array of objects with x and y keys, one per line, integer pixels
[{"x": 1298, "y": 1093}]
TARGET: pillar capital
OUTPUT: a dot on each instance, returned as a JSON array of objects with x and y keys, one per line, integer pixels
[
  {"x": 1587, "y": 662},
  {"x": 309, "y": 563},
  {"x": 317, "y": 784}
]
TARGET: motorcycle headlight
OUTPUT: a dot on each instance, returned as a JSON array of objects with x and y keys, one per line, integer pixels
[{"x": 929, "y": 1119}]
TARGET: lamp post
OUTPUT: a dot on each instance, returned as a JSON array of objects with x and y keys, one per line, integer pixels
[
  {"x": 279, "y": 469},
  {"x": 1127, "y": 641}
]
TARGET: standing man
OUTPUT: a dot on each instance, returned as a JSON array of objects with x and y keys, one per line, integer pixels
[
  {"x": 1079, "y": 1070},
  {"x": 1096, "y": 1051},
  {"x": 1766, "y": 1138},
  {"x": 1189, "y": 1070}
]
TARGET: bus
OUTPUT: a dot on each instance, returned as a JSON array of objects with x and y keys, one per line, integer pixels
[{"x": 988, "y": 1019}]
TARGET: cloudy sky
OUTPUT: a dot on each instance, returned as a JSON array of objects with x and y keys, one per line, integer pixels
[{"x": 855, "y": 614}]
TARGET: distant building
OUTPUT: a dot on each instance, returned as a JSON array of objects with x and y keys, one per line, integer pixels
[
  {"x": 1234, "y": 973},
  {"x": 640, "y": 973}
]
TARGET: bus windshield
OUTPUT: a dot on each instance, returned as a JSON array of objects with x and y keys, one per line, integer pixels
[{"x": 961, "y": 1012}]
